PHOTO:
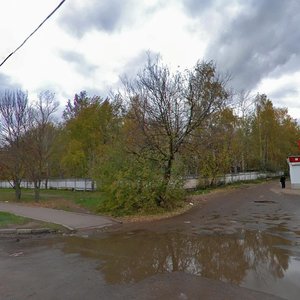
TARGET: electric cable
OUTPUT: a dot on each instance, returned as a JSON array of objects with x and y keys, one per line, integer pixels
[{"x": 32, "y": 33}]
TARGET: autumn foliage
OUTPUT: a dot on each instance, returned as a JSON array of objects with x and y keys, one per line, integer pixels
[{"x": 142, "y": 142}]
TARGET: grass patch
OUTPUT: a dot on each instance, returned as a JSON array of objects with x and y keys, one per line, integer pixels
[
  {"x": 91, "y": 203},
  {"x": 7, "y": 219},
  {"x": 58, "y": 199}
]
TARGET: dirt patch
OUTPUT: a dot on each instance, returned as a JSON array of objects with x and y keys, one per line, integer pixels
[
  {"x": 149, "y": 218},
  {"x": 191, "y": 201}
]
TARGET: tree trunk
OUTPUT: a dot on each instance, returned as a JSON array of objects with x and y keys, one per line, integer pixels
[
  {"x": 37, "y": 185},
  {"x": 17, "y": 187},
  {"x": 166, "y": 181},
  {"x": 168, "y": 171},
  {"x": 243, "y": 162}
]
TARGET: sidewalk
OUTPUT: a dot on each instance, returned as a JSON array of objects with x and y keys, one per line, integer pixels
[
  {"x": 288, "y": 190},
  {"x": 70, "y": 220}
]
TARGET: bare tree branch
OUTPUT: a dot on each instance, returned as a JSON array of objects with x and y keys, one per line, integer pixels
[{"x": 167, "y": 107}]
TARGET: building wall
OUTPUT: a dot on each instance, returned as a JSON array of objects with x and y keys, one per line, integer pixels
[{"x": 295, "y": 175}]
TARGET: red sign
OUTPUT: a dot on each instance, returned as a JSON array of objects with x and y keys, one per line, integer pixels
[
  {"x": 294, "y": 159},
  {"x": 298, "y": 142}
]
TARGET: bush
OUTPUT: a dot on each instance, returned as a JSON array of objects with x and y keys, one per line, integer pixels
[{"x": 138, "y": 188}]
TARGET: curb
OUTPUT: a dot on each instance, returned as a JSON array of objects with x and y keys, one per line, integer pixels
[{"x": 27, "y": 231}]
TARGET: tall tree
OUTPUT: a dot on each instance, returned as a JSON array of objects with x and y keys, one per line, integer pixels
[
  {"x": 216, "y": 145},
  {"x": 15, "y": 117},
  {"x": 244, "y": 109},
  {"x": 86, "y": 132},
  {"x": 273, "y": 136},
  {"x": 167, "y": 108},
  {"x": 39, "y": 139},
  {"x": 80, "y": 102}
]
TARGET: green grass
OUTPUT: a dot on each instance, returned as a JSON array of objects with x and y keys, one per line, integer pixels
[
  {"x": 90, "y": 202},
  {"x": 9, "y": 219},
  {"x": 60, "y": 199}
]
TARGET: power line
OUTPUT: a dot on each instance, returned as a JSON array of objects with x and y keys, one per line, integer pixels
[{"x": 32, "y": 33}]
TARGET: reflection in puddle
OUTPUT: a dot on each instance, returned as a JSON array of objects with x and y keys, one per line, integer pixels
[{"x": 125, "y": 258}]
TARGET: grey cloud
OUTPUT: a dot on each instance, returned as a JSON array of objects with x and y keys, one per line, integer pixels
[
  {"x": 196, "y": 7},
  {"x": 79, "y": 61},
  {"x": 285, "y": 97},
  {"x": 6, "y": 82},
  {"x": 128, "y": 71},
  {"x": 98, "y": 15},
  {"x": 284, "y": 92},
  {"x": 259, "y": 42},
  {"x": 137, "y": 63},
  {"x": 107, "y": 16}
]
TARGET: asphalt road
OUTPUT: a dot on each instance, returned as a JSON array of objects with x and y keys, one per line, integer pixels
[{"x": 233, "y": 244}]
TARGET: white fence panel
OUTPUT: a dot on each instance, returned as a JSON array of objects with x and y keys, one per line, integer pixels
[
  {"x": 65, "y": 184},
  {"x": 90, "y": 185},
  {"x": 192, "y": 183}
]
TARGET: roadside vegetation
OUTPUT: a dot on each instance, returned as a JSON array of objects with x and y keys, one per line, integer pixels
[
  {"x": 93, "y": 202},
  {"x": 58, "y": 199},
  {"x": 7, "y": 219},
  {"x": 142, "y": 141}
]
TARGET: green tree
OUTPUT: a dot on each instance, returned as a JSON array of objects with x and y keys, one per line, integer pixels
[
  {"x": 244, "y": 111},
  {"x": 215, "y": 145},
  {"x": 273, "y": 136},
  {"x": 90, "y": 127},
  {"x": 167, "y": 108}
]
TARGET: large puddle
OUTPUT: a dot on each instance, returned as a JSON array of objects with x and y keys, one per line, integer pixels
[{"x": 263, "y": 261}]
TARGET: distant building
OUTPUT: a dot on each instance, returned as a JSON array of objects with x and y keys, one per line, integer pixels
[{"x": 294, "y": 165}]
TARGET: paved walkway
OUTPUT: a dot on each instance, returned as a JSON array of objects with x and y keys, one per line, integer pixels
[
  {"x": 70, "y": 220},
  {"x": 288, "y": 190}
]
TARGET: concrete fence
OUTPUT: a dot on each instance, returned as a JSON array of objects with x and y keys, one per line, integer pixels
[
  {"x": 90, "y": 185},
  {"x": 192, "y": 183},
  {"x": 65, "y": 184}
]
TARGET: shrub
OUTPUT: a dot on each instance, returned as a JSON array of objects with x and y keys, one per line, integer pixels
[{"x": 138, "y": 188}]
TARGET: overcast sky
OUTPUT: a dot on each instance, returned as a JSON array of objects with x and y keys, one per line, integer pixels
[{"x": 88, "y": 45}]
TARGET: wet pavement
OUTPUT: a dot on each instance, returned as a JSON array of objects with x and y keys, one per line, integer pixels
[
  {"x": 238, "y": 244},
  {"x": 70, "y": 220}
]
